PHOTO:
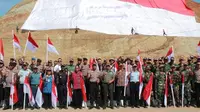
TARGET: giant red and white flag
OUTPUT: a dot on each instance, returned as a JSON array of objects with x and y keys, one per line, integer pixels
[
  {"x": 147, "y": 17},
  {"x": 39, "y": 98},
  {"x": 140, "y": 69},
  {"x": 51, "y": 47},
  {"x": 170, "y": 53},
  {"x": 16, "y": 42},
  {"x": 147, "y": 91},
  {"x": 1, "y": 49},
  {"x": 83, "y": 89},
  {"x": 198, "y": 48},
  {"x": 166, "y": 91},
  {"x": 13, "y": 93},
  {"x": 27, "y": 89},
  {"x": 54, "y": 95},
  {"x": 31, "y": 44}
]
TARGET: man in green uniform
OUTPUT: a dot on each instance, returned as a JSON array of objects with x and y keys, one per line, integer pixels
[
  {"x": 107, "y": 85},
  {"x": 155, "y": 66},
  {"x": 71, "y": 66},
  {"x": 160, "y": 77},
  {"x": 166, "y": 65}
]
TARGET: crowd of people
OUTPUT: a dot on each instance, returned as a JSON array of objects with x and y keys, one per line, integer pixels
[{"x": 105, "y": 86}]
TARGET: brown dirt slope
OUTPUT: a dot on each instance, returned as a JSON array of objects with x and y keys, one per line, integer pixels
[{"x": 91, "y": 44}]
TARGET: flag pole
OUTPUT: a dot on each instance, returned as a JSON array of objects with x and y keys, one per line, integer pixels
[
  {"x": 47, "y": 50},
  {"x": 182, "y": 99},
  {"x": 14, "y": 52},
  {"x": 26, "y": 44},
  {"x": 24, "y": 98},
  {"x": 173, "y": 53},
  {"x": 67, "y": 90},
  {"x": 12, "y": 93},
  {"x": 126, "y": 74}
]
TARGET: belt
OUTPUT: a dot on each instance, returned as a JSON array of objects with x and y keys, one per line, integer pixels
[
  {"x": 134, "y": 82},
  {"x": 62, "y": 84},
  {"x": 34, "y": 85}
]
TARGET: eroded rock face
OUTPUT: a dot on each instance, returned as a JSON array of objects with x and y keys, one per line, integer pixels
[{"x": 91, "y": 44}]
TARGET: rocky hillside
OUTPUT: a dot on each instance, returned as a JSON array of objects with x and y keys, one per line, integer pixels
[{"x": 91, "y": 44}]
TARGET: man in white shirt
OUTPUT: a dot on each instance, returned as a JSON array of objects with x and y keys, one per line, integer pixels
[
  {"x": 57, "y": 68},
  {"x": 134, "y": 86},
  {"x": 23, "y": 73}
]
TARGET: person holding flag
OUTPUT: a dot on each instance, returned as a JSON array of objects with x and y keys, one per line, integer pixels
[
  {"x": 76, "y": 78},
  {"x": 10, "y": 80},
  {"x": 94, "y": 79},
  {"x": 186, "y": 76},
  {"x": 160, "y": 78},
  {"x": 120, "y": 85},
  {"x": 147, "y": 76},
  {"x": 61, "y": 82},
  {"x": 134, "y": 87},
  {"x": 175, "y": 78},
  {"x": 35, "y": 81},
  {"x": 85, "y": 69},
  {"x": 23, "y": 73},
  {"x": 47, "y": 89},
  {"x": 108, "y": 79}
]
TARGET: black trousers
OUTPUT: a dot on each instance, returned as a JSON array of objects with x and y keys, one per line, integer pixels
[
  {"x": 120, "y": 94},
  {"x": 197, "y": 90},
  {"x": 77, "y": 98},
  {"x": 87, "y": 86},
  {"x": 62, "y": 94},
  {"x": 134, "y": 93},
  {"x": 1, "y": 92},
  {"x": 21, "y": 96},
  {"x": 7, "y": 95},
  {"x": 94, "y": 90},
  {"x": 47, "y": 100},
  {"x": 107, "y": 91}
]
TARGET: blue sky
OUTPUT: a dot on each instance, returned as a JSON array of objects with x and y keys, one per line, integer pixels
[
  {"x": 6, "y": 5},
  {"x": 197, "y": 1}
]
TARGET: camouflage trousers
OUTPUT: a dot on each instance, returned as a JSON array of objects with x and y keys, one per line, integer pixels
[
  {"x": 160, "y": 95},
  {"x": 176, "y": 90},
  {"x": 187, "y": 95}
]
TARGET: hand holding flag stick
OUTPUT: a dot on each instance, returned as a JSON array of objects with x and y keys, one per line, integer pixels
[{"x": 172, "y": 91}]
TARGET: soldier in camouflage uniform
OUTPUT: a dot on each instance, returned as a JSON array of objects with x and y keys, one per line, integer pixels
[
  {"x": 166, "y": 65},
  {"x": 175, "y": 77},
  {"x": 187, "y": 74},
  {"x": 155, "y": 66},
  {"x": 144, "y": 64},
  {"x": 172, "y": 62},
  {"x": 180, "y": 66},
  {"x": 191, "y": 64},
  {"x": 160, "y": 77}
]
